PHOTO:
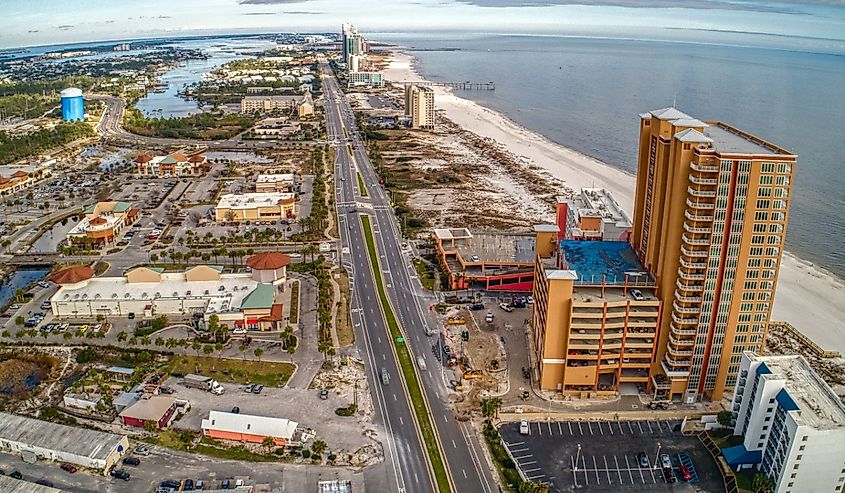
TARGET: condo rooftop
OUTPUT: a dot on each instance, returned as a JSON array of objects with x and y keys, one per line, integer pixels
[
  {"x": 603, "y": 262},
  {"x": 816, "y": 403}
]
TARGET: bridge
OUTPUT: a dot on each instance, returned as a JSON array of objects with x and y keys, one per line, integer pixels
[{"x": 463, "y": 86}]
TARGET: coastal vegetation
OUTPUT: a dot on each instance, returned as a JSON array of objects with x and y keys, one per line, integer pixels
[
  {"x": 202, "y": 126},
  {"x": 13, "y": 148}
]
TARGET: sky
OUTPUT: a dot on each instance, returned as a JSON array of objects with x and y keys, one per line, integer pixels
[{"x": 43, "y": 22}]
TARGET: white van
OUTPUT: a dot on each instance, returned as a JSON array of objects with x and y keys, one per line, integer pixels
[{"x": 421, "y": 363}]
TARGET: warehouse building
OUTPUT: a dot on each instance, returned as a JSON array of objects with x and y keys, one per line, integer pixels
[
  {"x": 159, "y": 409},
  {"x": 267, "y": 206},
  {"x": 35, "y": 439},
  {"x": 247, "y": 428}
]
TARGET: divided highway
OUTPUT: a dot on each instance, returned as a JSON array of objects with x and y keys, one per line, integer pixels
[{"x": 462, "y": 451}]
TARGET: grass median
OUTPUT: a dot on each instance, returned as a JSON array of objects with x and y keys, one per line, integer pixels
[
  {"x": 406, "y": 363},
  {"x": 362, "y": 189}
]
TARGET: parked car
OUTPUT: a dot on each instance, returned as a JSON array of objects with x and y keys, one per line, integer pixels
[
  {"x": 324, "y": 394},
  {"x": 686, "y": 474},
  {"x": 225, "y": 484},
  {"x": 239, "y": 331},
  {"x": 506, "y": 307},
  {"x": 45, "y": 482},
  {"x": 476, "y": 306},
  {"x": 188, "y": 485},
  {"x": 131, "y": 461},
  {"x": 16, "y": 475},
  {"x": 665, "y": 461},
  {"x": 199, "y": 485},
  {"x": 489, "y": 317},
  {"x": 119, "y": 474},
  {"x": 523, "y": 427},
  {"x": 257, "y": 388},
  {"x": 475, "y": 258},
  {"x": 642, "y": 459},
  {"x": 637, "y": 294},
  {"x": 68, "y": 467},
  {"x": 142, "y": 450},
  {"x": 236, "y": 410},
  {"x": 248, "y": 388}
]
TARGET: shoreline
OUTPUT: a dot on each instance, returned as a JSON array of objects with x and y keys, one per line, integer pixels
[{"x": 809, "y": 297}]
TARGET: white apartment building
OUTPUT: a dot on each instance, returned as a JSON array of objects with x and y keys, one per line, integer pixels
[
  {"x": 365, "y": 79},
  {"x": 792, "y": 424}
]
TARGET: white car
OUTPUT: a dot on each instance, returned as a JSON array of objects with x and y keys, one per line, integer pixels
[
  {"x": 295, "y": 255},
  {"x": 239, "y": 331},
  {"x": 523, "y": 427}
]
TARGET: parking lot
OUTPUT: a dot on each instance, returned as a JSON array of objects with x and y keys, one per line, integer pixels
[{"x": 599, "y": 456}]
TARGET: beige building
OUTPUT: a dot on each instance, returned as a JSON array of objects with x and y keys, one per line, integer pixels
[
  {"x": 103, "y": 223},
  {"x": 419, "y": 106},
  {"x": 266, "y": 206},
  {"x": 596, "y": 317},
  {"x": 710, "y": 219},
  {"x": 281, "y": 182},
  {"x": 266, "y": 104}
]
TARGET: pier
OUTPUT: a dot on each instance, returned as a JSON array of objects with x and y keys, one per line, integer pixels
[{"x": 463, "y": 86}]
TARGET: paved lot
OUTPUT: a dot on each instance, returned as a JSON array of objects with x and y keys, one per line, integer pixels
[{"x": 607, "y": 459}]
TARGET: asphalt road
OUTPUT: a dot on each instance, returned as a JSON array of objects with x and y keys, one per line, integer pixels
[{"x": 463, "y": 452}]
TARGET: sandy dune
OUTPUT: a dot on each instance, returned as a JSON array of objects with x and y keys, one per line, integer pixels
[{"x": 808, "y": 297}]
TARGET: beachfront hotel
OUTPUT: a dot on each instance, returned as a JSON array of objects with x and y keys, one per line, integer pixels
[
  {"x": 595, "y": 319},
  {"x": 710, "y": 218},
  {"x": 419, "y": 106},
  {"x": 791, "y": 422}
]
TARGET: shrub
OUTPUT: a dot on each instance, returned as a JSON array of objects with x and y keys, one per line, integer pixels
[{"x": 306, "y": 454}]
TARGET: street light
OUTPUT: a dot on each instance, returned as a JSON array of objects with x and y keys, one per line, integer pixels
[
  {"x": 577, "y": 457},
  {"x": 657, "y": 457}
]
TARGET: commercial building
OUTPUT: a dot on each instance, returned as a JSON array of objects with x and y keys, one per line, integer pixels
[
  {"x": 492, "y": 261},
  {"x": 592, "y": 215},
  {"x": 419, "y": 106},
  {"x": 12, "y": 485},
  {"x": 266, "y": 104},
  {"x": 35, "y": 439},
  {"x": 282, "y": 182},
  {"x": 251, "y": 300},
  {"x": 710, "y": 220},
  {"x": 102, "y": 224},
  {"x": 596, "y": 317},
  {"x": 791, "y": 422},
  {"x": 264, "y": 206},
  {"x": 175, "y": 164},
  {"x": 247, "y": 428},
  {"x": 277, "y": 127},
  {"x": 370, "y": 78},
  {"x": 15, "y": 182},
  {"x": 158, "y": 409},
  {"x": 73, "y": 106}
]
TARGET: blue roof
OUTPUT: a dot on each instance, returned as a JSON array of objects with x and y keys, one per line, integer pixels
[
  {"x": 597, "y": 260},
  {"x": 739, "y": 455},
  {"x": 786, "y": 402},
  {"x": 762, "y": 369}
]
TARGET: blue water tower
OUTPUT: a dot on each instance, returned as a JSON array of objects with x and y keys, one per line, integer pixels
[{"x": 73, "y": 107}]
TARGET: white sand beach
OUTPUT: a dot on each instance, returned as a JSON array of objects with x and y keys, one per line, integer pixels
[{"x": 808, "y": 297}]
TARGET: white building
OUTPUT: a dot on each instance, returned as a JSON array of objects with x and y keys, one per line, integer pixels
[
  {"x": 35, "y": 439},
  {"x": 281, "y": 182},
  {"x": 592, "y": 215},
  {"x": 371, "y": 79},
  {"x": 269, "y": 206},
  {"x": 248, "y": 428},
  {"x": 792, "y": 424}
]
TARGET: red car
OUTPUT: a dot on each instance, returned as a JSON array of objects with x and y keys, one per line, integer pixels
[
  {"x": 685, "y": 473},
  {"x": 69, "y": 468}
]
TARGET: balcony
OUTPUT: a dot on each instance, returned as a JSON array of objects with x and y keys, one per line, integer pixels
[
  {"x": 681, "y": 342},
  {"x": 697, "y": 204},
  {"x": 680, "y": 353},
  {"x": 681, "y": 332},
  {"x": 689, "y": 287},
  {"x": 696, "y": 230},
  {"x": 704, "y": 168},
  {"x": 692, "y": 265},
  {"x": 692, "y": 216},
  {"x": 703, "y": 194},
  {"x": 695, "y": 241},
  {"x": 694, "y": 253},
  {"x": 688, "y": 276},
  {"x": 687, "y": 299},
  {"x": 661, "y": 382},
  {"x": 684, "y": 321},
  {"x": 703, "y": 181},
  {"x": 677, "y": 362},
  {"x": 688, "y": 310}
]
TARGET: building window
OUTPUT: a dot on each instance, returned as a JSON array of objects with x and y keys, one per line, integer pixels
[
  {"x": 799, "y": 457},
  {"x": 804, "y": 438},
  {"x": 801, "y": 448}
]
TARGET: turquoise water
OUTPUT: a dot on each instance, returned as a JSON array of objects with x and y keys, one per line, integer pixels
[{"x": 586, "y": 93}]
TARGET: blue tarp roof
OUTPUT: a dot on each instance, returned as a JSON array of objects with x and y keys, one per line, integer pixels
[
  {"x": 786, "y": 401},
  {"x": 762, "y": 369},
  {"x": 739, "y": 455}
]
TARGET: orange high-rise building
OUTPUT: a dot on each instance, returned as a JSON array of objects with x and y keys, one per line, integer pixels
[{"x": 709, "y": 221}]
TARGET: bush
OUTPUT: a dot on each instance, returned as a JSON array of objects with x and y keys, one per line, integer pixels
[
  {"x": 512, "y": 477},
  {"x": 306, "y": 454},
  {"x": 346, "y": 411},
  {"x": 279, "y": 451},
  {"x": 87, "y": 355}
]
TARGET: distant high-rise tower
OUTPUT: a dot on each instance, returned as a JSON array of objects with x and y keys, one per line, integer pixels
[
  {"x": 73, "y": 107},
  {"x": 710, "y": 220},
  {"x": 419, "y": 106},
  {"x": 351, "y": 43}
]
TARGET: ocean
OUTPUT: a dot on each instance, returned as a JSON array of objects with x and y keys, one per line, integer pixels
[{"x": 586, "y": 93}]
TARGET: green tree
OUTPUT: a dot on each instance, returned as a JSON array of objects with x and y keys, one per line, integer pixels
[
  {"x": 6, "y": 333},
  {"x": 243, "y": 348},
  {"x": 145, "y": 340},
  {"x": 122, "y": 336},
  {"x": 159, "y": 341},
  {"x": 150, "y": 426},
  {"x": 196, "y": 346},
  {"x": 724, "y": 418},
  {"x": 490, "y": 407},
  {"x": 207, "y": 349},
  {"x": 258, "y": 352},
  {"x": 219, "y": 347},
  {"x": 762, "y": 483},
  {"x": 268, "y": 442},
  {"x": 318, "y": 447},
  {"x": 532, "y": 487},
  {"x": 325, "y": 347},
  {"x": 19, "y": 320}
]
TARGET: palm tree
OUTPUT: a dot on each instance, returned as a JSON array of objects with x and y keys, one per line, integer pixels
[
  {"x": 243, "y": 348},
  {"x": 318, "y": 447},
  {"x": 145, "y": 340},
  {"x": 762, "y": 483},
  {"x": 219, "y": 348},
  {"x": 159, "y": 341},
  {"x": 490, "y": 407},
  {"x": 258, "y": 353},
  {"x": 196, "y": 346},
  {"x": 122, "y": 336},
  {"x": 268, "y": 442}
]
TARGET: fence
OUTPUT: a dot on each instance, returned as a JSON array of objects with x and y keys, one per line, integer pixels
[{"x": 793, "y": 332}]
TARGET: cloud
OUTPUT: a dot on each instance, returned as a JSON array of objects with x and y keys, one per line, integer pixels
[
  {"x": 270, "y": 2},
  {"x": 64, "y": 27},
  {"x": 260, "y": 13},
  {"x": 689, "y": 4},
  {"x": 302, "y": 12}
]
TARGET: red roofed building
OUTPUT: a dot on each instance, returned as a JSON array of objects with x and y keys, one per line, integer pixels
[
  {"x": 269, "y": 267},
  {"x": 72, "y": 275},
  {"x": 175, "y": 164}
]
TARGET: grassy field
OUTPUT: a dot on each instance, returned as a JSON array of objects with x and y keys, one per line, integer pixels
[
  {"x": 271, "y": 374},
  {"x": 294, "y": 304},
  {"x": 361, "y": 187},
  {"x": 407, "y": 365}
]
